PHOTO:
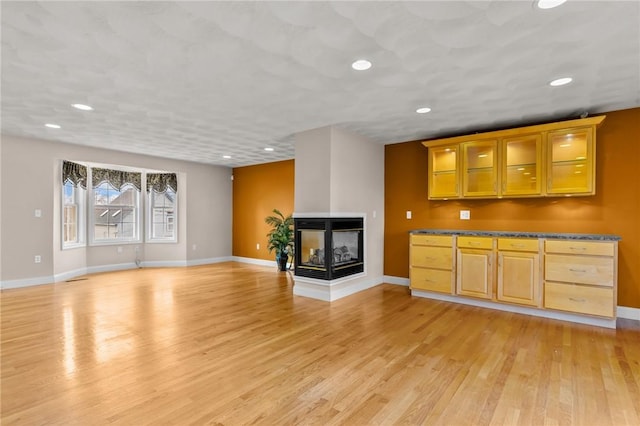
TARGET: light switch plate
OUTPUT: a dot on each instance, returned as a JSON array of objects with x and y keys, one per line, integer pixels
[
  {"x": 408, "y": 214},
  {"x": 465, "y": 214}
]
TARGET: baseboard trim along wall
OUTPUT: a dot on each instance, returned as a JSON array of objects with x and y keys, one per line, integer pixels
[
  {"x": 64, "y": 276},
  {"x": 252, "y": 261},
  {"x": 396, "y": 280},
  {"x": 629, "y": 313},
  {"x": 622, "y": 311}
]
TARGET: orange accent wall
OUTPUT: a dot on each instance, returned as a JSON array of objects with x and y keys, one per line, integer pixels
[
  {"x": 257, "y": 190},
  {"x": 615, "y": 209}
]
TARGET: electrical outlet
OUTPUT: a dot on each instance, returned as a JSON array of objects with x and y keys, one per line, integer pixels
[
  {"x": 465, "y": 214},
  {"x": 194, "y": 247},
  {"x": 258, "y": 246},
  {"x": 408, "y": 214},
  {"x": 37, "y": 213},
  {"x": 37, "y": 258}
]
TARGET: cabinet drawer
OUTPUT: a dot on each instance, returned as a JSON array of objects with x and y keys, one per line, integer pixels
[
  {"x": 475, "y": 242},
  {"x": 432, "y": 257},
  {"x": 431, "y": 280},
  {"x": 432, "y": 240},
  {"x": 517, "y": 244},
  {"x": 579, "y": 269},
  {"x": 580, "y": 299},
  {"x": 580, "y": 247}
]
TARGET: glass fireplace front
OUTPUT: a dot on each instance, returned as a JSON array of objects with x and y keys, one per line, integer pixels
[{"x": 329, "y": 248}]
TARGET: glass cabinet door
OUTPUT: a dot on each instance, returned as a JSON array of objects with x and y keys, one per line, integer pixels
[
  {"x": 521, "y": 165},
  {"x": 480, "y": 174},
  {"x": 570, "y": 161},
  {"x": 443, "y": 166}
]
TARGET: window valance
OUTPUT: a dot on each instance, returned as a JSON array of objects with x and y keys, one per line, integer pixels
[
  {"x": 74, "y": 173},
  {"x": 116, "y": 178},
  {"x": 159, "y": 182}
]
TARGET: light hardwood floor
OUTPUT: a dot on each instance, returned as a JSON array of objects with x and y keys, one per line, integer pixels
[{"x": 229, "y": 344}]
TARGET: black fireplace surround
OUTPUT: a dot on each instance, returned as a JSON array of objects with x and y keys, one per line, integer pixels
[{"x": 328, "y": 248}]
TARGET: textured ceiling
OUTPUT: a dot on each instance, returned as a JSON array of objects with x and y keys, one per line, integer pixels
[{"x": 199, "y": 80}]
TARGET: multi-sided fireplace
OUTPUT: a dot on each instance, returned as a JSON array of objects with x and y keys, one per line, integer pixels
[{"x": 327, "y": 248}]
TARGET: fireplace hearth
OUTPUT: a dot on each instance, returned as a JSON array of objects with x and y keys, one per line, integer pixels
[{"x": 328, "y": 248}]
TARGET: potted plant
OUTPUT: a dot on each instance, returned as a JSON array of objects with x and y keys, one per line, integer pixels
[{"x": 280, "y": 238}]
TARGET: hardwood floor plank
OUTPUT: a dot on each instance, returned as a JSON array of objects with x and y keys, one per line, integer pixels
[{"x": 229, "y": 344}]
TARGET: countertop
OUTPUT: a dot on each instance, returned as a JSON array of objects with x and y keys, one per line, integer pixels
[{"x": 517, "y": 234}]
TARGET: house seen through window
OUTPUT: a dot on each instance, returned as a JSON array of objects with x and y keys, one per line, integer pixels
[{"x": 115, "y": 213}]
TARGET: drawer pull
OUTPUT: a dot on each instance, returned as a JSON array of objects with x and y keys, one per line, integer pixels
[
  {"x": 574, "y": 299},
  {"x": 428, "y": 280},
  {"x": 517, "y": 245},
  {"x": 577, "y": 248},
  {"x": 577, "y": 270},
  {"x": 474, "y": 243}
]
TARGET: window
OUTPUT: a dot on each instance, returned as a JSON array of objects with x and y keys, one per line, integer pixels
[
  {"x": 114, "y": 213},
  {"x": 162, "y": 203},
  {"x": 74, "y": 178},
  {"x": 163, "y": 214},
  {"x": 115, "y": 206}
]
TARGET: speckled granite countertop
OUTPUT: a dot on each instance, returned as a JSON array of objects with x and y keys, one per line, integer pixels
[{"x": 516, "y": 234}]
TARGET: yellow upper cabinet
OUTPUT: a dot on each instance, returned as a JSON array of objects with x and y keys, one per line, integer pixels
[
  {"x": 521, "y": 165},
  {"x": 570, "y": 161},
  {"x": 479, "y": 171},
  {"x": 444, "y": 172},
  {"x": 555, "y": 159}
]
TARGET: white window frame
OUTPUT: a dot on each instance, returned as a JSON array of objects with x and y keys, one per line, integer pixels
[
  {"x": 92, "y": 206},
  {"x": 150, "y": 220},
  {"x": 80, "y": 195}
]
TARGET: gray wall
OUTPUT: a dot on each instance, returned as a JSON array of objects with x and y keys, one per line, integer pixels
[{"x": 30, "y": 179}]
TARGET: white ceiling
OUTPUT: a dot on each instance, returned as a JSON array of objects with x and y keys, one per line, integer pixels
[{"x": 199, "y": 80}]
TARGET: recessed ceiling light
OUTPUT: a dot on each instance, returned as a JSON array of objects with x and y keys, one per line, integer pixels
[
  {"x": 423, "y": 110},
  {"x": 226, "y": 157},
  {"x": 52, "y": 126},
  {"x": 560, "y": 81},
  {"x": 549, "y": 4},
  {"x": 82, "y": 107},
  {"x": 361, "y": 65},
  {"x": 269, "y": 149}
]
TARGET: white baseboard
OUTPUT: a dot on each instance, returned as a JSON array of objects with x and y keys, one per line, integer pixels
[
  {"x": 26, "y": 282},
  {"x": 64, "y": 276},
  {"x": 252, "y": 261},
  {"x": 111, "y": 268},
  {"x": 389, "y": 279},
  {"x": 209, "y": 261},
  {"x": 629, "y": 313}
]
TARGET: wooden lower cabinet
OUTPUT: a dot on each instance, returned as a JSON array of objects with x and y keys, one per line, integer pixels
[
  {"x": 431, "y": 267},
  {"x": 581, "y": 277},
  {"x": 580, "y": 299},
  {"x": 518, "y": 271},
  {"x": 576, "y": 276},
  {"x": 475, "y": 274},
  {"x": 519, "y": 278}
]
